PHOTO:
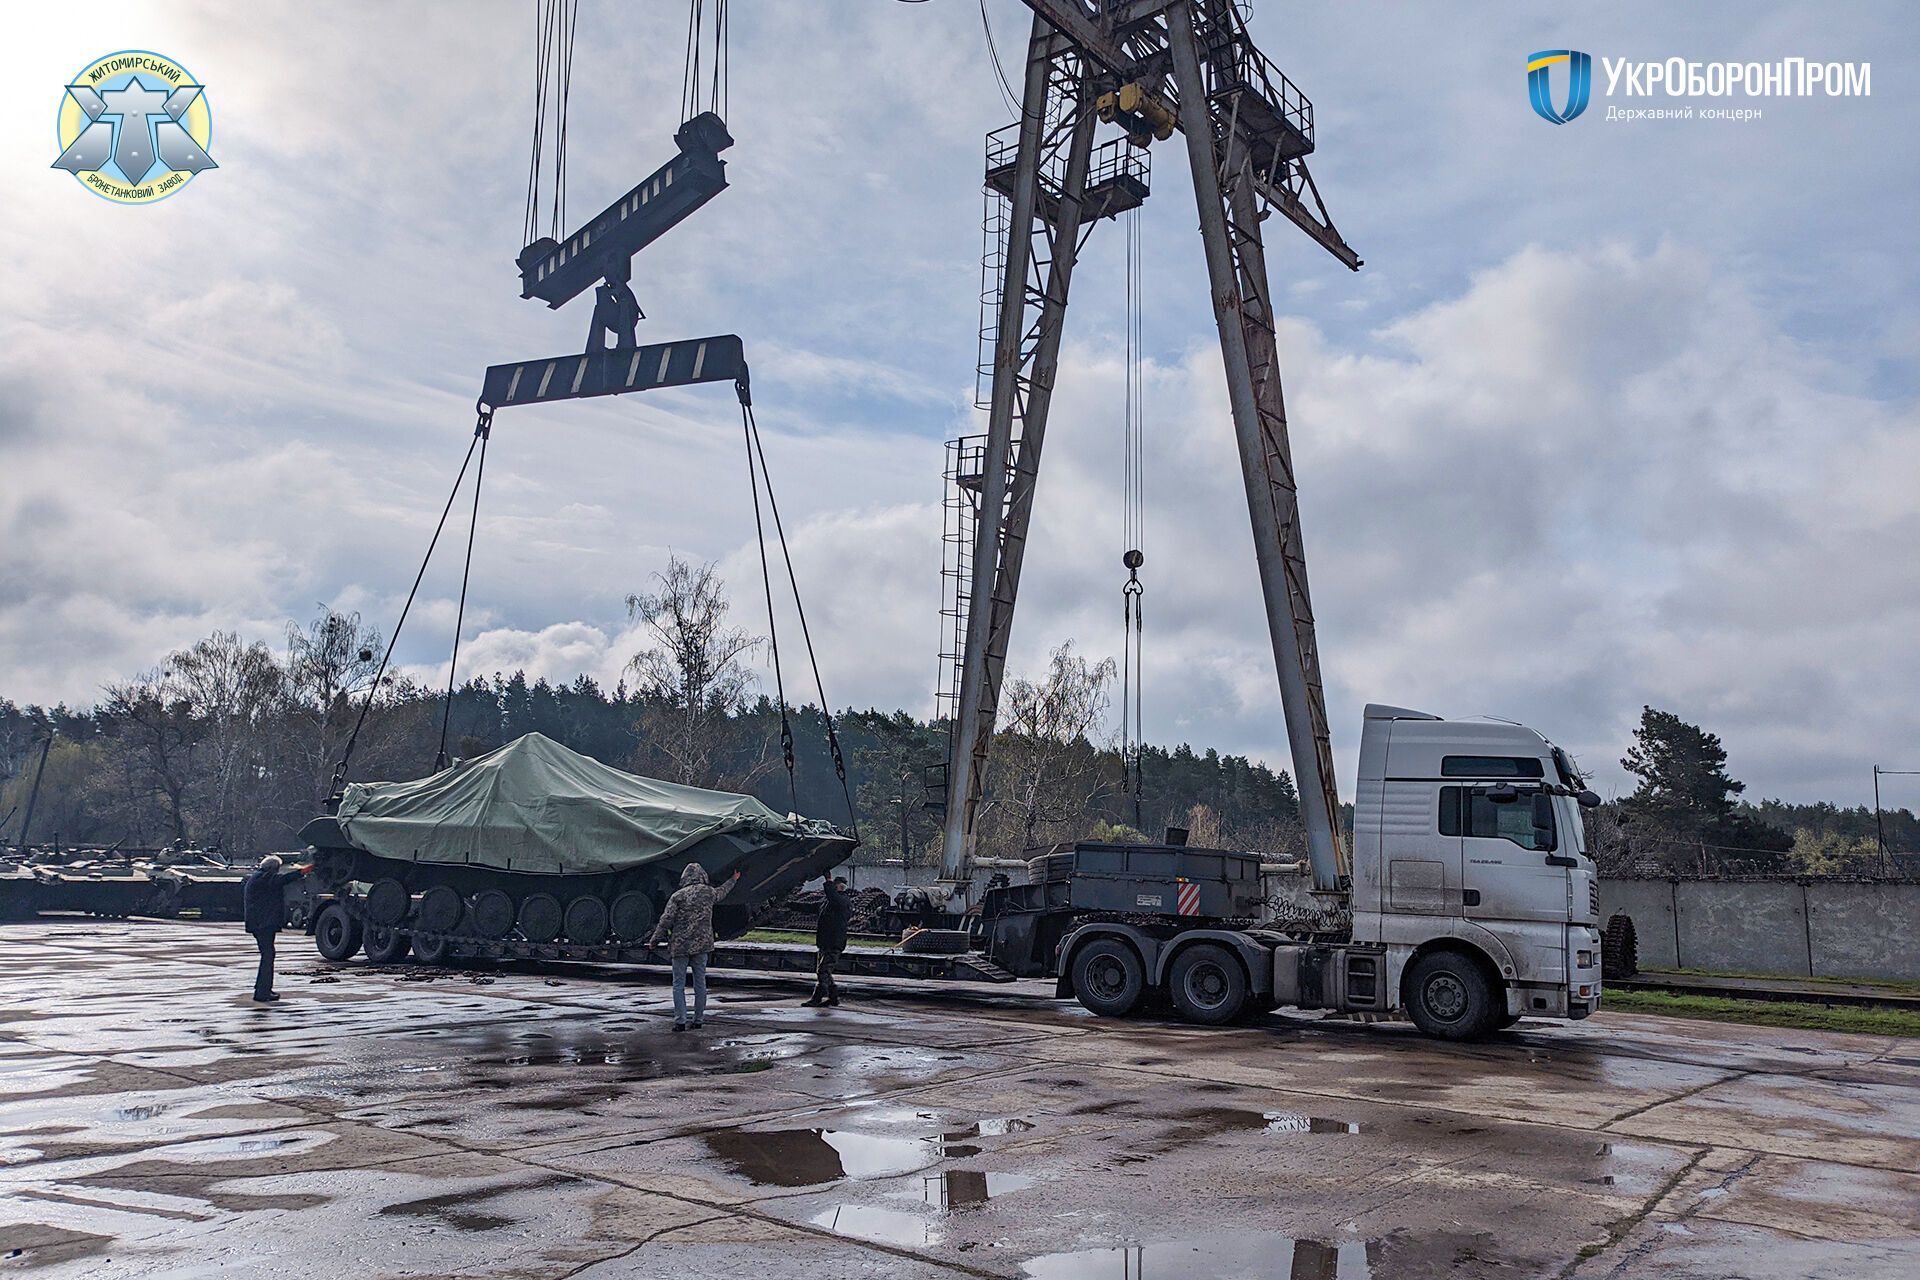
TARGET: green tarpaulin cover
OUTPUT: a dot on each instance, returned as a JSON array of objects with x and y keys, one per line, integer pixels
[{"x": 534, "y": 805}]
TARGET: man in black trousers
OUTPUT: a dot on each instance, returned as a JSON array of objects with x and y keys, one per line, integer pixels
[
  {"x": 830, "y": 939},
  {"x": 263, "y": 907}
]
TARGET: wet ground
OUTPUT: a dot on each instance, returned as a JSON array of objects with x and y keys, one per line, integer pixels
[{"x": 408, "y": 1121}]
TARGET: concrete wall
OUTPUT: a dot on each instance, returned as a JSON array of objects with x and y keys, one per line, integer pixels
[{"x": 1786, "y": 927}]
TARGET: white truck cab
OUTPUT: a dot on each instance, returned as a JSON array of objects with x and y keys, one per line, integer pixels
[
  {"x": 1472, "y": 899},
  {"x": 1469, "y": 854}
]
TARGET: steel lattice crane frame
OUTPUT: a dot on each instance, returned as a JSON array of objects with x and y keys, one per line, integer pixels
[{"x": 1249, "y": 156}]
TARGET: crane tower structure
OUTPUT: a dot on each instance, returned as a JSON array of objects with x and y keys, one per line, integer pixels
[{"x": 1151, "y": 66}]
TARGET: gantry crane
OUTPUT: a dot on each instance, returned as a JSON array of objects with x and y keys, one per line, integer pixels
[{"x": 1152, "y": 66}]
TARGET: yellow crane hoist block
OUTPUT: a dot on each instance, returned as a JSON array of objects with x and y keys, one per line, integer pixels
[{"x": 1144, "y": 113}]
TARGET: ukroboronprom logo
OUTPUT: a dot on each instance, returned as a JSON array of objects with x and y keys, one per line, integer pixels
[
  {"x": 1694, "y": 90},
  {"x": 1579, "y": 75},
  {"x": 134, "y": 127}
]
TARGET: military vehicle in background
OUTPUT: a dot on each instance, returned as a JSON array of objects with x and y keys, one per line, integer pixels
[{"x": 535, "y": 849}]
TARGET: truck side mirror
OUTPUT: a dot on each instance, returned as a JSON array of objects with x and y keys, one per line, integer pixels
[
  {"x": 1589, "y": 799},
  {"x": 1543, "y": 810}
]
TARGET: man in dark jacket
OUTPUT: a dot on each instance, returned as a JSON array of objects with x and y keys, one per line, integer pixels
[
  {"x": 830, "y": 939},
  {"x": 263, "y": 908}
]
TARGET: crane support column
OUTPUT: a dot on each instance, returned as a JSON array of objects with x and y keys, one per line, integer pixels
[
  {"x": 1025, "y": 362},
  {"x": 1236, "y": 267}
]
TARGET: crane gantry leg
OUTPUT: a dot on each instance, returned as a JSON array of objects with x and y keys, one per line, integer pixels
[
  {"x": 1043, "y": 241},
  {"x": 1223, "y": 167}
]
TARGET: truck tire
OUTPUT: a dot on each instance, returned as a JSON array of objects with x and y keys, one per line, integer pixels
[
  {"x": 1619, "y": 948},
  {"x": 1108, "y": 977},
  {"x": 386, "y": 945},
  {"x": 1450, "y": 998},
  {"x": 336, "y": 933},
  {"x": 1208, "y": 985}
]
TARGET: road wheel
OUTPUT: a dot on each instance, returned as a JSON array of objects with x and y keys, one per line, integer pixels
[
  {"x": 441, "y": 908},
  {"x": 433, "y": 948},
  {"x": 586, "y": 921},
  {"x": 493, "y": 914},
  {"x": 1209, "y": 986},
  {"x": 386, "y": 945},
  {"x": 1108, "y": 977},
  {"x": 540, "y": 917},
  {"x": 336, "y": 933},
  {"x": 632, "y": 916},
  {"x": 1619, "y": 948},
  {"x": 1450, "y": 998},
  {"x": 388, "y": 901}
]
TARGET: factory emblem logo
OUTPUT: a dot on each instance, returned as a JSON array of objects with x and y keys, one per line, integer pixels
[
  {"x": 1540, "y": 83},
  {"x": 134, "y": 127}
]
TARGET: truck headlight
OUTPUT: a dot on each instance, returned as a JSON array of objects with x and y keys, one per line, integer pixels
[{"x": 1583, "y": 959}]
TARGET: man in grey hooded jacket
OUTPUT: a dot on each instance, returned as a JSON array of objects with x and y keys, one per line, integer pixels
[{"x": 688, "y": 925}]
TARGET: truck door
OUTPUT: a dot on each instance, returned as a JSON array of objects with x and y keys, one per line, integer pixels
[{"x": 1509, "y": 867}]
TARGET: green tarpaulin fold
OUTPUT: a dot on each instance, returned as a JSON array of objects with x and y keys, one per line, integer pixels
[{"x": 534, "y": 805}]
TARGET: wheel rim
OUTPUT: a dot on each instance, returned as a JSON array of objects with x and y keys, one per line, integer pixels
[
  {"x": 1207, "y": 986},
  {"x": 1446, "y": 997},
  {"x": 333, "y": 931},
  {"x": 1106, "y": 977}
]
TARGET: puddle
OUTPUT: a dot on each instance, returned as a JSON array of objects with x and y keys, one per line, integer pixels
[
  {"x": 963, "y": 1188},
  {"x": 1232, "y": 1255},
  {"x": 810, "y": 1157},
  {"x": 887, "y": 1226},
  {"x": 1207, "y": 1121}
]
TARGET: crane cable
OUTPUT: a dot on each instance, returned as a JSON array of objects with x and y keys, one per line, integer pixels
[
  {"x": 554, "y": 24},
  {"x": 1133, "y": 526},
  {"x": 481, "y": 431},
  {"x": 705, "y": 71},
  {"x": 761, "y": 478}
]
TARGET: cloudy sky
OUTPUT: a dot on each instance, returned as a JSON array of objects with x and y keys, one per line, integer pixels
[{"x": 1617, "y": 413}]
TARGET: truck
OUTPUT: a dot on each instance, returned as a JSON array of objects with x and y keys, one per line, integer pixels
[{"x": 1472, "y": 900}]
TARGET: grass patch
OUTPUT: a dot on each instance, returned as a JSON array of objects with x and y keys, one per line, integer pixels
[
  {"x": 1905, "y": 986},
  {"x": 797, "y": 935},
  {"x": 1765, "y": 1013}
]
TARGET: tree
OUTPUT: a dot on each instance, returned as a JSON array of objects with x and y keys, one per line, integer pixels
[
  {"x": 155, "y": 722},
  {"x": 1048, "y": 769},
  {"x": 694, "y": 673},
  {"x": 232, "y": 690},
  {"x": 1686, "y": 796}
]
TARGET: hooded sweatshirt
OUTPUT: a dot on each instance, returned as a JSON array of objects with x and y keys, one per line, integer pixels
[{"x": 688, "y": 919}]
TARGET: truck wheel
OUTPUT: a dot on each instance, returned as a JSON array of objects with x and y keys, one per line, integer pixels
[
  {"x": 1209, "y": 986},
  {"x": 1108, "y": 978},
  {"x": 336, "y": 933},
  {"x": 1450, "y": 998}
]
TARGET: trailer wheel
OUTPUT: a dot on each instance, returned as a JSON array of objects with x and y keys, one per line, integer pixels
[
  {"x": 1209, "y": 986},
  {"x": 1450, "y": 998},
  {"x": 386, "y": 945},
  {"x": 336, "y": 933},
  {"x": 1108, "y": 977},
  {"x": 433, "y": 948}
]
